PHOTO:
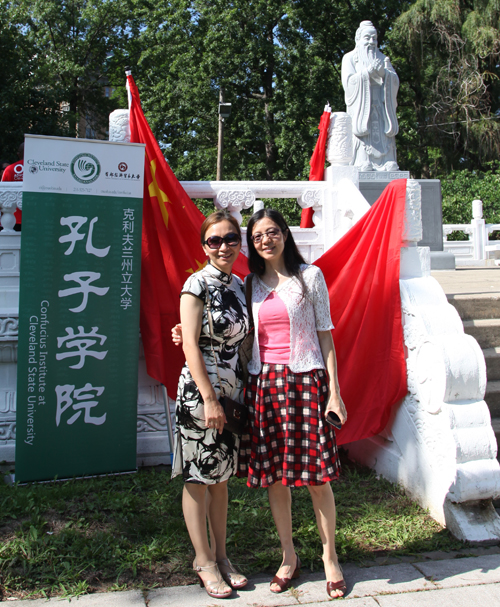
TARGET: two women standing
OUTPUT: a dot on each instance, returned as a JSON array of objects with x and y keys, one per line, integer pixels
[{"x": 291, "y": 391}]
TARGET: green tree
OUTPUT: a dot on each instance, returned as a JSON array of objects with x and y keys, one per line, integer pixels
[
  {"x": 460, "y": 188},
  {"x": 447, "y": 53},
  {"x": 278, "y": 62},
  {"x": 24, "y": 104},
  {"x": 60, "y": 57}
]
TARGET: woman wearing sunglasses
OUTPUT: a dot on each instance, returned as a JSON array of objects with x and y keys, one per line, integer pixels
[
  {"x": 292, "y": 392},
  {"x": 205, "y": 454}
]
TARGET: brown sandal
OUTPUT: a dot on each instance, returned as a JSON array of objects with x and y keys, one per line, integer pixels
[
  {"x": 340, "y": 585},
  {"x": 285, "y": 583}
]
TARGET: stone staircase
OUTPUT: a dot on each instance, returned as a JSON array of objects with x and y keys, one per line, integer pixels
[{"x": 480, "y": 314}]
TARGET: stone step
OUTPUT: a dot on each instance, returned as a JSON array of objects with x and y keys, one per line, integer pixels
[
  {"x": 476, "y": 306},
  {"x": 492, "y": 398},
  {"x": 492, "y": 358},
  {"x": 486, "y": 331}
]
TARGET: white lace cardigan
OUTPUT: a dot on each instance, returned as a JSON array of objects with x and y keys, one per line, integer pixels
[{"x": 307, "y": 315}]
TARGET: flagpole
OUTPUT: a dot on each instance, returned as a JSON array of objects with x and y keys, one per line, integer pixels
[
  {"x": 220, "y": 146},
  {"x": 128, "y": 72}
]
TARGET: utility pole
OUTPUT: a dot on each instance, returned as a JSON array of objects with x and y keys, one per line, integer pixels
[
  {"x": 220, "y": 145},
  {"x": 224, "y": 112}
]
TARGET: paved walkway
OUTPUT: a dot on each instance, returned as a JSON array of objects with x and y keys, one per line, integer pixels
[
  {"x": 467, "y": 281},
  {"x": 436, "y": 580}
]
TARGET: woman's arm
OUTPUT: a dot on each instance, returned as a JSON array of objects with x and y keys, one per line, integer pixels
[
  {"x": 335, "y": 402},
  {"x": 191, "y": 319}
]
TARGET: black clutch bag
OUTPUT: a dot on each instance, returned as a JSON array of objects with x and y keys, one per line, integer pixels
[{"x": 236, "y": 415}]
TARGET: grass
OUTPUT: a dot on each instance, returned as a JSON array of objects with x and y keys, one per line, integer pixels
[{"x": 121, "y": 532}]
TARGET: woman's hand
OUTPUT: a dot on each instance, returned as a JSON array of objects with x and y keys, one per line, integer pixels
[
  {"x": 336, "y": 404},
  {"x": 177, "y": 334},
  {"x": 214, "y": 415}
]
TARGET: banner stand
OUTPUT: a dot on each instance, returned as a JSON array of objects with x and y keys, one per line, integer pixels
[{"x": 78, "y": 345}]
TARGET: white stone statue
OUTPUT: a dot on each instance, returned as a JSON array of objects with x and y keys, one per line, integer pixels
[{"x": 371, "y": 86}]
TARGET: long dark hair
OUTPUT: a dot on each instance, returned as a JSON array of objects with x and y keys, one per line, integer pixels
[{"x": 291, "y": 255}]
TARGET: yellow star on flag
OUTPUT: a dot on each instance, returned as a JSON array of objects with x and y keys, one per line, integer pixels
[
  {"x": 199, "y": 264},
  {"x": 155, "y": 192}
]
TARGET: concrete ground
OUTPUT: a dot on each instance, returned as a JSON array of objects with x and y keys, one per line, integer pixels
[
  {"x": 468, "y": 281},
  {"x": 462, "y": 579},
  {"x": 455, "y": 579}
]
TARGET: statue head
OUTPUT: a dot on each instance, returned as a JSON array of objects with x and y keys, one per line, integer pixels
[
  {"x": 366, "y": 41},
  {"x": 366, "y": 34}
]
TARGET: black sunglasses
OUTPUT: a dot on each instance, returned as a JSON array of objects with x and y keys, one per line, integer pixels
[{"x": 215, "y": 242}]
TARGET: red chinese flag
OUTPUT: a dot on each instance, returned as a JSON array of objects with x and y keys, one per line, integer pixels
[
  {"x": 171, "y": 251},
  {"x": 362, "y": 274},
  {"x": 317, "y": 164}
]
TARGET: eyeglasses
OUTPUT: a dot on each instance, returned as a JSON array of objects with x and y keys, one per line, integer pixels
[
  {"x": 215, "y": 242},
  {"x": 273, "y": 234}
]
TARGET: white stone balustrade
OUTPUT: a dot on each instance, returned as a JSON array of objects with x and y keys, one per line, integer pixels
[
  {"x": 236, "y": 195},
  {"x": 439, "y": 443},
  {"x": 478, "y": 249},
  {"x": 10, "y": 248}
]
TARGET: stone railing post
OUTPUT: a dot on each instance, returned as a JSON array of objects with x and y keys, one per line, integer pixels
[
  {"x": 339, "y": 150},
  {"x": 235, "y": 200},
  {"x": 344, "y": 204},
  {"x": 415, "y": 260},
  {"x": 258, "y": 205},
  {"x": 119, "y": 129},
  {"x": 11, "y": 199},
  {"x": 479, "y": 235}
]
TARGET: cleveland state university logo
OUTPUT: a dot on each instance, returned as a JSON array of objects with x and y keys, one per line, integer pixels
[{"x": 85, "y": 168}]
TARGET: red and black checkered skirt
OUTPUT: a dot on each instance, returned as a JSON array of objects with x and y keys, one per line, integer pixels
[{"x": 288, "y": 439}]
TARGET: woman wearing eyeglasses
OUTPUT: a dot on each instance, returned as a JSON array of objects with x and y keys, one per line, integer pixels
[
  {"x": 205, "y": 454},
  {"x": 292, "y": 392}
]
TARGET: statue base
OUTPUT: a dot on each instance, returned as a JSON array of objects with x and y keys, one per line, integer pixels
[
  {"x": 432, "y": 216},
  {"x": 384, "y": 176}
]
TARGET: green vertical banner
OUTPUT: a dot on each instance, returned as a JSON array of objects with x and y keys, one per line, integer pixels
[{"x": 79, "y": 308}]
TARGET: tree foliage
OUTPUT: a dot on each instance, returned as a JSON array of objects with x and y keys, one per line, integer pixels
[
  {"x": 23, "y": 103},
  {"x": 447, "y": 52},
  {"x": 58, "y": 57},
  {"x": 460, "y": 188},
  {"x": 278, "y": 62}
]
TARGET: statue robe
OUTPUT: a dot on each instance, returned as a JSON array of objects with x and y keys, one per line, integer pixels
[{"x": 371, "y": 103}]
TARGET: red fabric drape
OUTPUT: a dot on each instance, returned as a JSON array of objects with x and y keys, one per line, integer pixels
[
  {"x": 317, "y": 164},
  {"x": 171, "y": 251},
  {"x": 362, "y": 274}
]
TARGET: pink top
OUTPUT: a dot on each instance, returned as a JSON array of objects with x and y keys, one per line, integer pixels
[{"x": 274, "y": 331}]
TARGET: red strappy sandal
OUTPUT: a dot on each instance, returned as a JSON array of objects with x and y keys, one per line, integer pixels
[
  {"x": 331, "y": 586},
  {"x": 285, "y": 583}
]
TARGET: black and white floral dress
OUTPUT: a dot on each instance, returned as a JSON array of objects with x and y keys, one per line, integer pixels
[{"x": 201, "y": 454}]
